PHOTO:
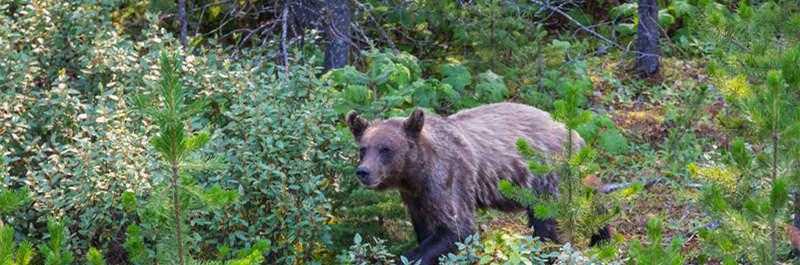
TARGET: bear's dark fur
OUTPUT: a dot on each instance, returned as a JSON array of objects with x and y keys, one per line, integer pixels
[{"x": 447, "y": 167}]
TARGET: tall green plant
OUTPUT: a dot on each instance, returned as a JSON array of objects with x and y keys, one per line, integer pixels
[{"x": 173, "y": 142}]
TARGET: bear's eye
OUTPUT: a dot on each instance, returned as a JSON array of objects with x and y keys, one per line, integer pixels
[
  {"x": 385, "y": 150},
  {"x": 386, "y": 154},
  {"x": 361, "y": 152}
]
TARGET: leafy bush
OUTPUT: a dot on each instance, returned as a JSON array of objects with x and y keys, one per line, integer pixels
[
  {"x": 392, "y": 83},
  {"x": 364, "y": 253},
  {"x": 498, "y": 248},
  {"x": 498, "y": 36}
]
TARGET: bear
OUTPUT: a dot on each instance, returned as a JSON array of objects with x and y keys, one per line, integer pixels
[{"x": 447, "y": 167}]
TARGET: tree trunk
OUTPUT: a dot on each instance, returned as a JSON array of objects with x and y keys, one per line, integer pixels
[
  {"x": 648, "y": 53},
  {"x": 184, "y": 22},
  {"x": 337, "y": 31}
]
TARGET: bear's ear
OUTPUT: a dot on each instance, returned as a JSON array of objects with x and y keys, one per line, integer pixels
[
  {"x": 413, "y": 125},
  {"x": 357, "y": 124}
]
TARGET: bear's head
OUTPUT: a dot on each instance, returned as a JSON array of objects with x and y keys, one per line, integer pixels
[{"x": 387, "y": 148}]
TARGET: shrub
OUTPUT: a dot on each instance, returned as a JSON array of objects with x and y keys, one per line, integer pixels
[
  {"x": 69, "y": 135},
  {"x": 498, "y": 248},
  {"x": 364, "y": 253}
]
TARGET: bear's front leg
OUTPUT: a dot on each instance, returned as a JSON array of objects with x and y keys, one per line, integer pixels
[
  {"x": 442, "y": 241},
  {"x": 543, "y": 228}
]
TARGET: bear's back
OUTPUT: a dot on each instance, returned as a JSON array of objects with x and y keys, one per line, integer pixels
[
  {"x": 491, "y": 132},
  {"x": 501, "y": 124}
]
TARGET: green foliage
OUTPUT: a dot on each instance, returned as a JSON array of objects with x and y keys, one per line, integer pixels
[
  {"x": 654, "y": 252},
  {"x": 498, "y": 248},
  {"x": 265, "y": 164},
  {"x": 94, "y": 257},
  {"x": 499, "y": 36},
  {"x": 56, "y": 251},
  {"x": 11, "y": 200},
  {"x": 10, "y": 252},
  {"x": 603, "y": 133},
  {"x": 364, "y": 253},
  {"x": 389, "y": 85},
  {"x": 749, "y": 194},
  {"x": 172, "y": 142},
  {"x": 135, "y": 245},
  {"x": 626, "y": 16}
]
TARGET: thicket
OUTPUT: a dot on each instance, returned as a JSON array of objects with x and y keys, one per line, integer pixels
[{"x": 71, "y": 135}]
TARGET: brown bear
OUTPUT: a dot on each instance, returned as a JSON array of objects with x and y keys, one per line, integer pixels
[{"x": 447, "y": 167}]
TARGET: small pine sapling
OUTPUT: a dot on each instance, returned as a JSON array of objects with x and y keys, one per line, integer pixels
[
  {"x": 95, "y": 257},
  {"x": 10, "y": 252},
  {"x": 654, "y": 253},
  {"x": 175, "y": 143},
  {"x": 580, "y": 209},
  {"x": 56, "y": 251}
]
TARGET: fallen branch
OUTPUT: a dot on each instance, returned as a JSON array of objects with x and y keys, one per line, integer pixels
[{"x": 612, "y": 187}]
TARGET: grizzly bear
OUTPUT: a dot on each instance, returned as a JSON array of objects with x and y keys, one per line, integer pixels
[{"x": 447, "y": 167}]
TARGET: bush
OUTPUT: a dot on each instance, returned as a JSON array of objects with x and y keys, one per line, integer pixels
[{"x": 68, "y": 133}]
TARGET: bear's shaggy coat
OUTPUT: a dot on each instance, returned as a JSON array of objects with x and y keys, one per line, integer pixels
[{"x": 447, "y": 167}]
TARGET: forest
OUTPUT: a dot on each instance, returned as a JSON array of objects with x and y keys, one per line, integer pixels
[{"x": 224, "y": 131}]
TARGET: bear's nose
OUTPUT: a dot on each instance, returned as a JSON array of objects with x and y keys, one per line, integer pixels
[{"x": 362, "y": 173}]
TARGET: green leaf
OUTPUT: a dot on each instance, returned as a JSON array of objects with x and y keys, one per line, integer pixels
[
  {"x": 682, "y": 8},
  {"x": 347, "y": 75},
  {"x": 624, "y": 10},
  {"x": 400, "y": 77},
  {"x": 627, "y": 29},
  {"x": 665, "y": 19},
  {"x": 546, "y": 210},
  {"x": 218, "y": 197}
]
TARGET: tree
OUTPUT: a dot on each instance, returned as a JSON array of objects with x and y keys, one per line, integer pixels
[
  {"x": 337, "y": 31},
  {"x": 648, "y": 53},
  {"x": 184, "y": 23}
]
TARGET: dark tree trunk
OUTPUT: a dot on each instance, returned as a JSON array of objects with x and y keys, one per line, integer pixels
[
  {"x": 184, "y": 22},
  {"x": 648, "y": 53},
  {"x": 337, "y": 31}
]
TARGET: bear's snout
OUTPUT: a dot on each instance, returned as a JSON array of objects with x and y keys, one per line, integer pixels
[{"x": 364, "y": 176}]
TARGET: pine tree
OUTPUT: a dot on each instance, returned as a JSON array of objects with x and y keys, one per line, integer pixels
[
  {"x": 10, "y": 252},
  {"x": 580, "y": 209},
  {"x": 749, "y": 195}
]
